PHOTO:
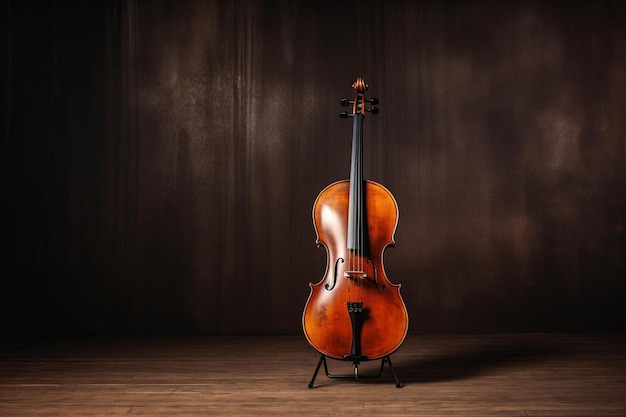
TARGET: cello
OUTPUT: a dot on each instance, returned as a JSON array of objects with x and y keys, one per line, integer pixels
[{"x": 355, "y": 313}]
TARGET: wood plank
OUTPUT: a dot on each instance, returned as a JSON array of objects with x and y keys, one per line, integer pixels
[{"x": 454, "y": 375}]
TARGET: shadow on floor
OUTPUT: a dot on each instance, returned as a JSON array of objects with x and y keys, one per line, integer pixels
[{"x": 471, "y": 361}]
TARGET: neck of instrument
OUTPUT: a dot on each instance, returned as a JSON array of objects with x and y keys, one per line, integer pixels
[{"x": 355, "y": 207}]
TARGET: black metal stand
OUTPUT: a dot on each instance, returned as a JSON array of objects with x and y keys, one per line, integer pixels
[{"x": 386, "y": 359}]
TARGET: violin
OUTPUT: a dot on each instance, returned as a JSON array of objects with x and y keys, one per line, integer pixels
[{"x": 355, "y": 313}]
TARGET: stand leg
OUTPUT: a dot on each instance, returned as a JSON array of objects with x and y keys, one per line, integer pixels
[
  {"x": 319, "y": 363},
  {"x": 393, "y": 371}
]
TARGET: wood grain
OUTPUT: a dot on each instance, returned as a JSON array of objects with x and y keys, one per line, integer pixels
[{"x": 477, "y": 375}]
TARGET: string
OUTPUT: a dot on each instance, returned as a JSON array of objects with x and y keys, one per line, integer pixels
[
  {"x": 360, "y": 202},
  {"x": 356, "y": 221}
]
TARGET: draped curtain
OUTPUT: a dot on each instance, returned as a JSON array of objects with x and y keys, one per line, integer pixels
[{"x": 160, "y": 161}]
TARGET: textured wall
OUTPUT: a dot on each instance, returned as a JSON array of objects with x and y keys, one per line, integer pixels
[{"x": 161, "y": 160}]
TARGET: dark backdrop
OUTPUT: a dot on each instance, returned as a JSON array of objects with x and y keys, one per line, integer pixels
[{"x": 160, "y": 161}]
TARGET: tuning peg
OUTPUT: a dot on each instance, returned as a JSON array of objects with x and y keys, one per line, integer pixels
[
  {"x": 373, "y": 100},
  {"x": 345, "y": 102},
  {"x": 373, "y": 110},
  {"x": 345, "y": 115}
]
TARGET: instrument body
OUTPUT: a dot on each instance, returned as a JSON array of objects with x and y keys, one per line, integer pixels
[{"x": 355, "y": 313}]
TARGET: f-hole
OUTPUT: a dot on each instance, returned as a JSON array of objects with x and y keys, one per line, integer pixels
[{"x": 334, "y": 275}]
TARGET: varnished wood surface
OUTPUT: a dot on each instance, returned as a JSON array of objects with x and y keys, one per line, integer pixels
[
  {"x": 499, "y": 375},
  {"x": 325, "y": 322}
]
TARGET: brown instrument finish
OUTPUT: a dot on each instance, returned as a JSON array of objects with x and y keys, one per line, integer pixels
[{"x": 326, "y": 323}]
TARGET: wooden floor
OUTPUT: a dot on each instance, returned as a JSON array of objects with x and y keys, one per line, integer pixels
[{"x": 499, "y": 375}]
